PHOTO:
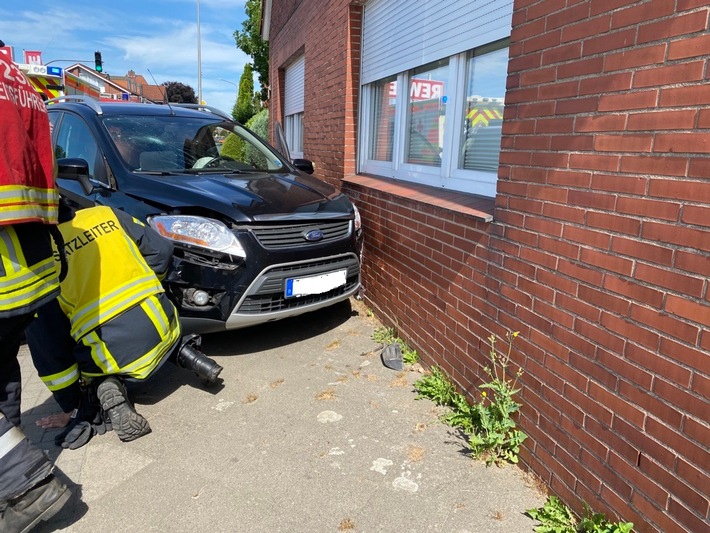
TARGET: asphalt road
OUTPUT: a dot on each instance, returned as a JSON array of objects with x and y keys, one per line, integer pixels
[{"x": 308, "y": 432}]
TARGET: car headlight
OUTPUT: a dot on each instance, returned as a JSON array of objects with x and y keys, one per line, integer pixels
[
  {"x": 198, "y": 231},
  {"x": 358, "y": 220}
]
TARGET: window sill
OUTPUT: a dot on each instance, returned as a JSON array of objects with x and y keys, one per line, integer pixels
[{"x": 478, "y": 207}]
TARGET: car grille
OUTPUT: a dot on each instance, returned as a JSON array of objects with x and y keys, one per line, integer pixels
[
  {"x": 266, "y": 294},
  {"x": 285, "y": 236}
]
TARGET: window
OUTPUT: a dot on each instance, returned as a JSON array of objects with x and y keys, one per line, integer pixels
[
  {"x": 445, "y": 129},
  {"x": 293, "y": 106},
  {"x": 169, "y": 143},
  {"x": 483, "y": 110},
  {"x": 76, "y": 140},
  {"x": 294, "y": 134},
  {"x": 384, "y": 105},
  {"x": 433, "y": 78},
  {"x": 426, "y": 111}
]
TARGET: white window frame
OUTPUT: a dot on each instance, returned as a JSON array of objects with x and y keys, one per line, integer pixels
[{"x": 448, "y": 175}]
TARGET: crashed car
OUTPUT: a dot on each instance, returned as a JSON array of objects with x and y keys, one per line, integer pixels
[{"x": 257, "y": 238}]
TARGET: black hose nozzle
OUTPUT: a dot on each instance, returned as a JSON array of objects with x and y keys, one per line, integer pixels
[{"x": 191, "y": 358}]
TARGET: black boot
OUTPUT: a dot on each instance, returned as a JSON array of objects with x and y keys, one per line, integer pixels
[
  {"x": 126, "y": 422},
  {"x": 39, "y": 503}
]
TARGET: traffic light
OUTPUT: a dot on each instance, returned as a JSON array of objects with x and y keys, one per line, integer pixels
[{"x": 99, "y": 66}]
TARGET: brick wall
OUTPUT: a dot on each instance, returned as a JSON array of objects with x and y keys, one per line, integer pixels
[
  {"x": 599, "y": 252},
  {"x": 606, "y": 218},
  {"x": 328, "y": 34}
]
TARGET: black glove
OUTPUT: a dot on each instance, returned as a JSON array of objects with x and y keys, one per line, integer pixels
[
  {"x": 101, "y": 423},
  {"x": 75, "y": 435},
  {"x": 87, "y": 420}
]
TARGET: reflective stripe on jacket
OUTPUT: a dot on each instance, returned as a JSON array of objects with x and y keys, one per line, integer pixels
[
  {"x": 134, "y": 344},
  {"x": 28, "y": 277},
  {"x": 20, "y": 203},
  {"x": 11, "y": 438},
  {"x": 61, "y": 380},
  {"x": 106, "y": 272}
]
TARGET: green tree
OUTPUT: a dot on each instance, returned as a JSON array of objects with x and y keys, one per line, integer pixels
[
  {"x": 259, "y": 124},
  {"x": 250, "y": 42},
  {"x": 256, "y": 102},
  {"x": 179, "y": 93},
  {"x": 244, "y": 106},
  {"x": 235, "y": 147}
]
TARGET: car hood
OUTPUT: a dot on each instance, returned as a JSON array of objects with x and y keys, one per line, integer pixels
[{"x": 242, "y": 197}]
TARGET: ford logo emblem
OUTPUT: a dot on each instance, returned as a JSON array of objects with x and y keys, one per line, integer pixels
[{"x": 314, "y": 235}]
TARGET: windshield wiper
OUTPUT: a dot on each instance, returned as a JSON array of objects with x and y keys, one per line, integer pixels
[{"x": 211, "y": 171}]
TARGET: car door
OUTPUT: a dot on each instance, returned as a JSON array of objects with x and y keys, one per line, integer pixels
[{"x": 74, "y": 139}]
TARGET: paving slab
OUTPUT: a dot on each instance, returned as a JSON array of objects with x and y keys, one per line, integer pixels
[{"x": 308, "y": 432}]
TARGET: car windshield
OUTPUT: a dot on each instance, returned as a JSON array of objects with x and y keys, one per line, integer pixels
[{"x": 172, "y": 144}]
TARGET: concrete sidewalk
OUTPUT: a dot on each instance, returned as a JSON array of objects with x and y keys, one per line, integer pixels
[{"x": 309, "y": 432}]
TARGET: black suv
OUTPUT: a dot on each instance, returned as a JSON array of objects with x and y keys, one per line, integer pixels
[{"x": 256, "y": 238}]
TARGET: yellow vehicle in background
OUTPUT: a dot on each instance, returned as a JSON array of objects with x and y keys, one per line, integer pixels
[{"x": 47, "y": 80}]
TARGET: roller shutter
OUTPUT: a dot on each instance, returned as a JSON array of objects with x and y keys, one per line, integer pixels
[{"x": 399, "y": 35}]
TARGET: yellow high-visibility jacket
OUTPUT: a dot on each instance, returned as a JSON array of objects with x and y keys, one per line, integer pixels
[
  {"x": 28, "y": 277},
  {"x": 106, "y": 272},
  {"x": 112, "y": 315}
]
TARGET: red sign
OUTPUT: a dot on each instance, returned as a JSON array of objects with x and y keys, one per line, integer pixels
[
  {"x": 33, "y": 57},
  {"x": 420, "y": 89},
  {"x": 7, "y": 50},
  {"x": 425, "y": 89}
]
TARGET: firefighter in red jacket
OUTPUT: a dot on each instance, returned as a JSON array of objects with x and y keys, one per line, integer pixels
[{"x": 29, "y": 491}]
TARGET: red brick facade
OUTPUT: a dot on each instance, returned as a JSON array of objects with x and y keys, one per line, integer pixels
[
  {"x": 331, "y": 78},
  {"x": 598, "y": 251}
]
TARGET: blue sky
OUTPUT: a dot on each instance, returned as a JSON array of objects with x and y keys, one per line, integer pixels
[{"x": 139, "y": 35}]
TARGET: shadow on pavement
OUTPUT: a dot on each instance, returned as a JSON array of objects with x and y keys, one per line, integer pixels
[
  {"x": 72, "y": 511},
  {"x": 240, "y": 342},
  {"x": 167, "y": 380},
  {"x": 277, "y": 334},
  {"x": 170, "y": 378}
]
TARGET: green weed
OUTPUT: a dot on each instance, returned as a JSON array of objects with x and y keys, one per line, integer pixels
[
  {"x": 495, "y": 435},
  {"x": 437, "y": 387},
  {"x": 489, "y": 424},
  {"x": 384, "y": 335},
  {"x": 555, "y": 517},
  {"x": 409, "y": 356}
]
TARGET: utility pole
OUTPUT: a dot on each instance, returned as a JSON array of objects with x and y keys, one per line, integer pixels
[{"x": 199, "y": 57}]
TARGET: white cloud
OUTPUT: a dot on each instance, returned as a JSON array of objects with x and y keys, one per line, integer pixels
[{"x": 139, "y": 35}]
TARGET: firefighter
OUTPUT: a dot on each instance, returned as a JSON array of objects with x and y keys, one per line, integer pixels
[
  {"x": 111, "y": 322},
  {"x": 29, "y": 490}
]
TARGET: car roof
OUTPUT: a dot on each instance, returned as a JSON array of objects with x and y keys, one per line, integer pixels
[{"x": 85, "y": 104}]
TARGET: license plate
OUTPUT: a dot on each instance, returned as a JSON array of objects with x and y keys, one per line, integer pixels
[{"x": 315, "y": 284}]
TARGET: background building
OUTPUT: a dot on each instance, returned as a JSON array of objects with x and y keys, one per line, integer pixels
[
  {"x": 581, "y": 219},
  {"x": 81, "y": 79}
]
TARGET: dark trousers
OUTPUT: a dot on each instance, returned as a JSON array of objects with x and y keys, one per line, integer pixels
[{"x": 22, "y": 465}]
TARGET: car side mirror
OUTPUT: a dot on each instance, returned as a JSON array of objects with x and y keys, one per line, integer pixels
[
  {"x": 71, "y": 168},
  {"x": 304, "y": 165}
]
